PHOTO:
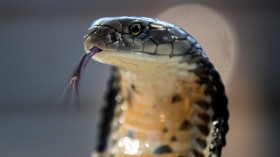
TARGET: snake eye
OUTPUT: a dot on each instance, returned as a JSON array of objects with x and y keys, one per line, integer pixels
[{"x": 135, "y": 29}]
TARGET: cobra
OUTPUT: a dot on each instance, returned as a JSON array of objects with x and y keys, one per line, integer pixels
[{"x": 164, "y": 97}]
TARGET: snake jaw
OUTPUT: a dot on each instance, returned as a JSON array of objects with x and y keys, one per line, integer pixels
[{"x": 91, "y": 41}]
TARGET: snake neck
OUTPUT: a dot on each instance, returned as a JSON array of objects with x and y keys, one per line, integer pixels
[
  {"x": 154, "y": 86},
  {"x": 156, "y": 83},
  {"x": 158, "y": 114}
]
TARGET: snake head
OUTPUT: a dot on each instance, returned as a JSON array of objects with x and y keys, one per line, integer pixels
[{"x": 137, "y": 36}]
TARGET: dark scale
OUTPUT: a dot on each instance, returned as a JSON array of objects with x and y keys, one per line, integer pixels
[
  {"x": 203, "y": 104},
  {"x": 204, "y": 117},
  {"x": 108, "y": 111},
  {"x": 203, "y": 129},
  {"x": 133, "y": 87},
  {"x": 163, "y": 149},
  {"x": 176, "y": 98},
  {"x": 201, "y": 142},
  {"x": 129, "y": 96},
  {"x": 173, "y": 139},
  {"x": 214, "y": 88},
  {"x": 164, "y": 130},
  {"x": 197, "y": 153},
  {"x": 186, "y": 125},
  {"x": 218, "y": 104}
]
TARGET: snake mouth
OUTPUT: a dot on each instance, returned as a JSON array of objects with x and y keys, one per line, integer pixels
[{"x": 93, "y": 51}]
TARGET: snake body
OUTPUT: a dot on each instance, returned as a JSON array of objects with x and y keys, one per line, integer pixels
[{"x": 164, "y": 98}]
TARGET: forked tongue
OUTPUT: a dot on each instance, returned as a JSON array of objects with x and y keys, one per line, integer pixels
[{"x": 72, "y": 88}]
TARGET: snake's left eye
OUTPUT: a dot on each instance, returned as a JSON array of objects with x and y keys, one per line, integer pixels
[{"x": 135, "y": 29}]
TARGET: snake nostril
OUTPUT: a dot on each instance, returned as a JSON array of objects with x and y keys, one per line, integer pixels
[{"x": 114, "y": 37}]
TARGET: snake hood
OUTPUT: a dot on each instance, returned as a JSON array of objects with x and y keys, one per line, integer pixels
[{"x": 164, "y": 95}]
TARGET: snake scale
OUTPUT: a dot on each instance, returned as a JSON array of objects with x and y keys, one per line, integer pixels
[{"x": 164, "y": 99}]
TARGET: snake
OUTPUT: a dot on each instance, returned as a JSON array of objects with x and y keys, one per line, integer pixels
[{"x": 164, "y": 97}]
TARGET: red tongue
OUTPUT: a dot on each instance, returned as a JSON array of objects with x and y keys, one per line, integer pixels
[{"x": 75, "y": 78}]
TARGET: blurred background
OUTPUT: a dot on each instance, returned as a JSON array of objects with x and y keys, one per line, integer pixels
[{"x": 41, "y": 43}]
